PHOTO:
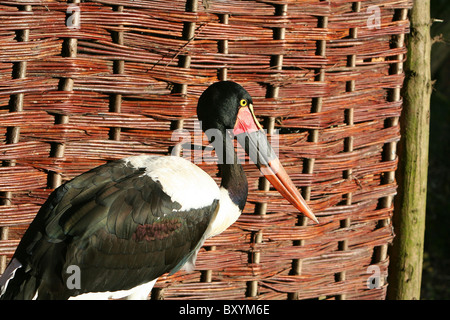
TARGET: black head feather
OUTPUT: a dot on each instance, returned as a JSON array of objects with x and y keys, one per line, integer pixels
[{"x": 219, "y": 104}]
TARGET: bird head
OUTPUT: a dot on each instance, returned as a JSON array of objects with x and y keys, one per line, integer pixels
[
  {"x": 225, "y": 107},
  {"x": 220, "y": 103}
]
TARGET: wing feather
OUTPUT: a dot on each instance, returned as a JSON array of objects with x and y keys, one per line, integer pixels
[{"x": 117, "y": 225}]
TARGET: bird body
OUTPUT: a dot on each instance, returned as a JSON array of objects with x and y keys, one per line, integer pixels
[
  {"x": 122, "y": 225},
  {"x": 110, "y": 219}
]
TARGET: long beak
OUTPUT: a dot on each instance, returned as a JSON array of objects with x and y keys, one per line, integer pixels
[
  {"x": 253, "y": 139},
  {"x": 279, "y": 178}
]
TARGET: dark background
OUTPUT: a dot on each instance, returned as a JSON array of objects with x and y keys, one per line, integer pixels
[{"x": 436, "y": 268}]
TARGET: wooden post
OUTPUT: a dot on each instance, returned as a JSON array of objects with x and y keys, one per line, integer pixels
[{"x": 406, "y": 254}]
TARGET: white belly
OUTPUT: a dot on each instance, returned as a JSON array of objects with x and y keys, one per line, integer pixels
[{"x": 138, "y": 293}]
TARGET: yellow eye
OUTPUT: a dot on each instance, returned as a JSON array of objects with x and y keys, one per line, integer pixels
[{"x": 243, "y": 102}]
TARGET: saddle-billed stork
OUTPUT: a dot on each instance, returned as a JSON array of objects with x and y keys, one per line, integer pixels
[{"x": 125, "y": 223}]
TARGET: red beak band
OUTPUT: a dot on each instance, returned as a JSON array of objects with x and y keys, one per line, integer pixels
[{"x": 246, "y": 121}]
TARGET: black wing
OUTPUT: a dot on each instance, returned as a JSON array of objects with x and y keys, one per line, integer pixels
[{"x": 116, "y": 225}]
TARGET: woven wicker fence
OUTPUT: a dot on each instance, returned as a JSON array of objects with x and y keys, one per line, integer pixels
[{"x": 84, "y": 83}]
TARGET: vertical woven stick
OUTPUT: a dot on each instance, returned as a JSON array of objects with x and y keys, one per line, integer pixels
[
  {"x": 390, "y": 149},
  {"x": 409, "y": 219},
  {"x": 184, "y": 61},
  {"x": 66, "y": 84},
  {"x": 118, "y": 68},
  {"x": 223, "y": 76},
  {"x": 348, "y": 146},
  {"x": 223, "y": 48},
  {"x": 272, "y": 92},
  {"x": 13, "y": 133},
  {"x": 309, "y": 163}
]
